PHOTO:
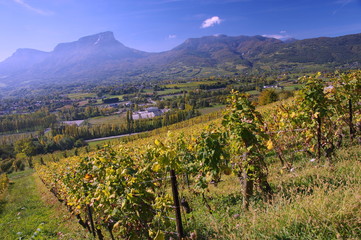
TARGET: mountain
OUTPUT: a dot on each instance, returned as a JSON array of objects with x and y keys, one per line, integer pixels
[
  {"x": 214, "y": 50},
  {"x": 89, "y": 58},
  {"x": 22, "y": 59},
  {"x": 100, "y": 58},
  {"x": 323, "y": 50},
  {"x": 96, "y": 49}
]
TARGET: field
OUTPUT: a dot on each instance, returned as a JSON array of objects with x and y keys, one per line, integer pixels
[
  {"x": 12, "y": 138},
  {"x": 188, "y": 85},
  {"x": 77, "y": 96},
  {"x": 212, "y": 109},
  {"x": 113, "y": 119}
]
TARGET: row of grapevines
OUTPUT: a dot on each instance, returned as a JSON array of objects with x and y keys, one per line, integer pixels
[
  {"x": 119, "y": 187},
  {"x": 318, "y": 117}
]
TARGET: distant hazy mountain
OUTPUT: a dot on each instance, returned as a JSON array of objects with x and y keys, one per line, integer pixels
[
  {"x": 22, "y": 59},
  {"x": 89, "y": 52},
  {"x": 101, "y": 58}
]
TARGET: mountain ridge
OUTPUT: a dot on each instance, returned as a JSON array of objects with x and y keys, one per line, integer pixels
[{"x": 100, "y": 57}]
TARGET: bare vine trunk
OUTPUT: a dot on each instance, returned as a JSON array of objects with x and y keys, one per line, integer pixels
[
  {"x": 319, "y": 135},
  {"x": 247, "y": 187},
  {"x": 350, "y": 111},
  {"x": 265, "y": 187}
]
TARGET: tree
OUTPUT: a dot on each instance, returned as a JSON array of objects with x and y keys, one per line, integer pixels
[
  {"x": 28, "y": 147},
  {"x": 267, "y": 96}
]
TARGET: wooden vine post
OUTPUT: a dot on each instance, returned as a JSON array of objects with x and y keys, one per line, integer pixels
[
  {"x": 352, "y": 130},
  {"x": 173, "y": 179}
]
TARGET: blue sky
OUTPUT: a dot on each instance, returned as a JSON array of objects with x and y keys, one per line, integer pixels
[{"x": 159, "y": 25}]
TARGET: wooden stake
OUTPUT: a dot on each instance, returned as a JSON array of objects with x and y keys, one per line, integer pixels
[
  {"x": 352, "y": 132},
  {"x": 173, "y": 179}
]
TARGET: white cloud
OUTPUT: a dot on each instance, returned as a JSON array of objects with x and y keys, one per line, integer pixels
[
  {"x": 276, "y": 36},
  {"x": 273, "y": 36},
  {"x": 210, "y": 22},
  {"x": 171, "y": 36},
  {"x": 36, "y": 10},
  {"x": 283, "y": 31}
]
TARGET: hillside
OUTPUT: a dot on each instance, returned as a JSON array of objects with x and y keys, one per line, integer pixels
[{"x": 273, "y": 165}]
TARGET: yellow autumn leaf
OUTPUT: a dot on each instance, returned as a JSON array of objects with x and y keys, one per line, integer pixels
[
  {"x": 156, "y": 167},
  {"x": 312, "y": 149},
  {"x": 316, "y": 114},
  {"x": 269, "y": 144},
  {"x": 157, "y": 142},
  {"x": 88, "y": 177}
]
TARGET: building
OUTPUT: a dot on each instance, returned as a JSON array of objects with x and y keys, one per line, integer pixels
[{"x": 150, "y": 112}]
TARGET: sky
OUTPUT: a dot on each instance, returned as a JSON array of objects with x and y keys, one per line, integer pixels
[{"x": 160, "y": 25}]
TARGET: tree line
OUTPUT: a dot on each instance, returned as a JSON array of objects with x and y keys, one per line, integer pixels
[{"x": 33, "y": 121}]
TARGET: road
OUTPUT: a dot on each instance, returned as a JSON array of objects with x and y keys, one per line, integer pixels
[{"x": 111, "y": 137}]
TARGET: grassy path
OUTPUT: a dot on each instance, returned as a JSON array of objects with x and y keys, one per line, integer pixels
[{"x": 29, "y": 211}]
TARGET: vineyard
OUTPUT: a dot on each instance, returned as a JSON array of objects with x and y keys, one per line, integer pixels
[{"x": 229, "y": 177}]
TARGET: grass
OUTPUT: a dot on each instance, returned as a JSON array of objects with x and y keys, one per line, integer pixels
[
  {"x": 29, "y": 210},
  {"x": 253, "y": 92}
]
